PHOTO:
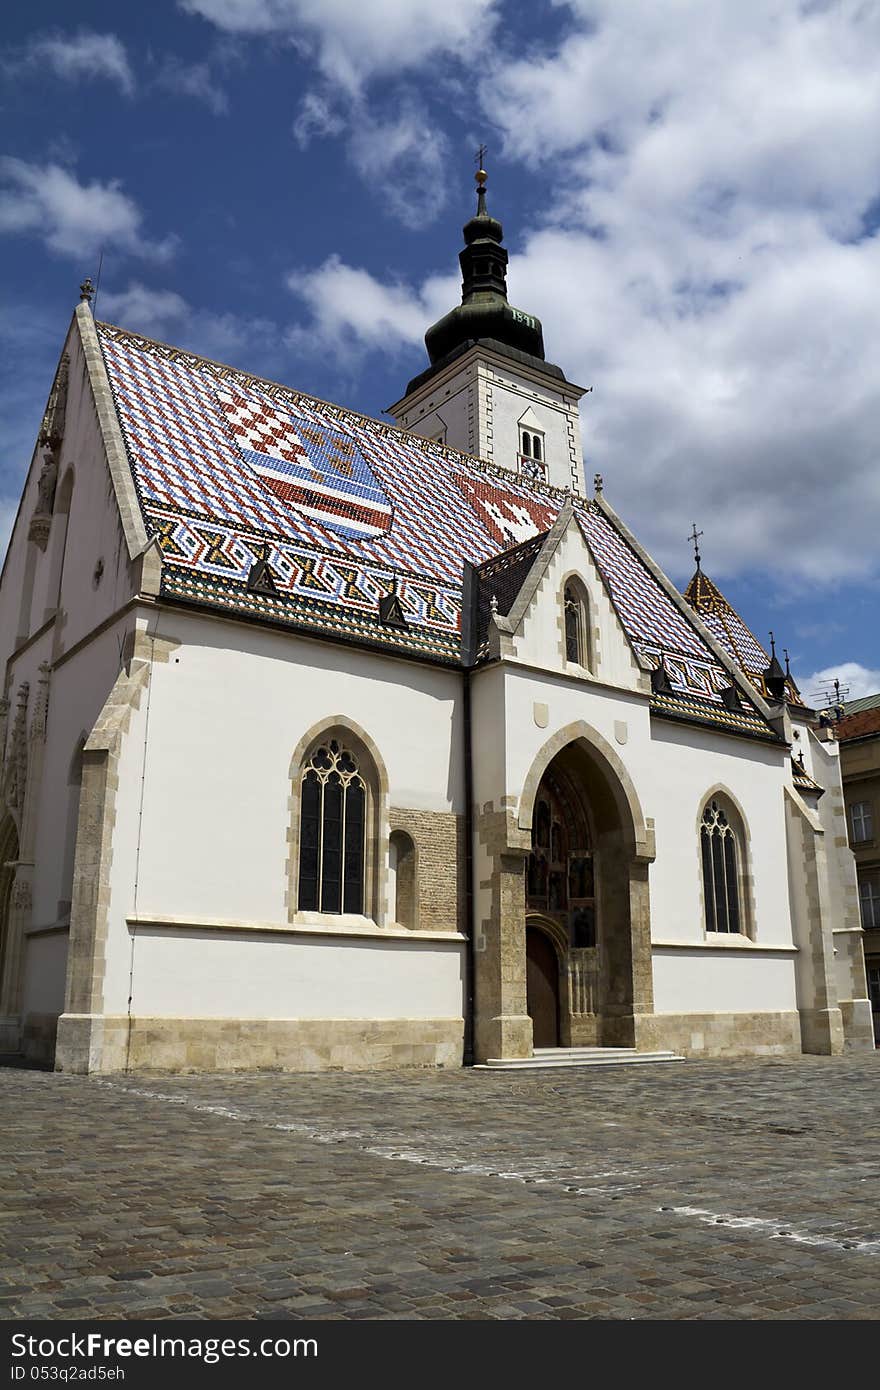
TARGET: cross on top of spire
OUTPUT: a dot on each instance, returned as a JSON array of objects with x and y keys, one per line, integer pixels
[{"x": 695, "y": 537}]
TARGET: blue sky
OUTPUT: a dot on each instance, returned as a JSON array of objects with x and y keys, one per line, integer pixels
[{"x": 690, "y": 195}]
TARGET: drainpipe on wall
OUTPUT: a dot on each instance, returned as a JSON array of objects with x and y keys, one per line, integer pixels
[
  {"x": 469, "y": 617},
  {"x": 468, "y": 870}
]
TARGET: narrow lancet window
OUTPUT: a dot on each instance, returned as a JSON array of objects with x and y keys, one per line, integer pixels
[
  {"x": 575, "y": 627},
  {"x": 720, "y": 855},
  {"x": 332, "y": 832}
]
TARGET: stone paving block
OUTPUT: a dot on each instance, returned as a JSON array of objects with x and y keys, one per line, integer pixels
[{"x": 445, "y": 1195}]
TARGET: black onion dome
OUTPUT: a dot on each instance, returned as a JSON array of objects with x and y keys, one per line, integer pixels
[{"x": 485, "y": 311}]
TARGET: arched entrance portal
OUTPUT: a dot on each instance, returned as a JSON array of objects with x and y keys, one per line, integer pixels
[
  {"x": 542, "y": 987},
  {"x": 587, "y": 884},
  {"x": 572, "y": 861}
]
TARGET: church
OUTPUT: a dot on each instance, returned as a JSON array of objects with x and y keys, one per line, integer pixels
[{"x": 331, "y": 743}]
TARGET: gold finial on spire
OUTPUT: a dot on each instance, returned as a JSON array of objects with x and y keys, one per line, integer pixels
[{"x": 481, "y": 175}]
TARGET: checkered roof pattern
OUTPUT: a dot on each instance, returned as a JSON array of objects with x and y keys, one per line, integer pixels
[{"x": 215, "y": 516}]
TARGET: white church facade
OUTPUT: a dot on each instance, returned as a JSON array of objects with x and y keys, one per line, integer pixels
[{"x": 331, "y": 743}]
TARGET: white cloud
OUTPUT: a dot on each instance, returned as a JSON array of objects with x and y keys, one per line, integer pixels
[
  {"x": 192, "y": 80},
  {"x": 81, "y": 56},
  {"x": 248, "y": 342},
  {"x": 353, "y": 41},
  {"x": 407, "y": 157},
  {"x": 855, "y": 680},
  {"x": 151, "y": 312},
  {"x": 704, "y": 262},
  {"x": 316, "y": 118},
  {"x": 351, "y": 311},
  {"x": 73, "y": 218},
  {"x": 704, "y": 265}
]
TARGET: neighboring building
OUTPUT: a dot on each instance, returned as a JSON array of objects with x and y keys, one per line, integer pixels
[
  {"x": 859, "y": 735},
  {"x": 329, "y": 744}
]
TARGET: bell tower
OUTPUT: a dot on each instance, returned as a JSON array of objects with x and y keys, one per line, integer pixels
[{"x": 489, "y": 390}]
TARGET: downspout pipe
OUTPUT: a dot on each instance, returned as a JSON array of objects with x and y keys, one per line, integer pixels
[{"x": 470, "y": 598}]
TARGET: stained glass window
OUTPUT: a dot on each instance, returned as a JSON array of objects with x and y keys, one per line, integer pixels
[
  {"x": 720, "y": 855},
  {"x": 332, "y": 832}
]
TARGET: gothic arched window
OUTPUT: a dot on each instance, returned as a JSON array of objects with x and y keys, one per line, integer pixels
[
  {"x": 721, "y": 853},
  {"x": 332, "y": 832},
  {"x": 577, "y": 646}
]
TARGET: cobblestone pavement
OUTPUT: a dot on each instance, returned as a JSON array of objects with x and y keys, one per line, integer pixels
[{"x": 697, "y": 1190}]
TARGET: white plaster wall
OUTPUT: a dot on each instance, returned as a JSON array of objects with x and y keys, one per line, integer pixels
[
  {"x": 204, "y": 975},
  {"x": 567, "y": 701},
  {"x": 447, "y": 407},
  {"x": 507, "y": 396},
  {"x": 488, "y": 738},
  {"x": 225, "y": 715},
  {"x": 78, "y": 690},
  {"x": 722, "y": 981},
  {"x": 94, "y": 530},
  {"x": 684, "y": 765},
  {"x": 482, "y": 404}
]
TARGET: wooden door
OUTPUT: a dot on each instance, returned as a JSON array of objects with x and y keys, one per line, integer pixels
[{"x": 542, "y": 988}]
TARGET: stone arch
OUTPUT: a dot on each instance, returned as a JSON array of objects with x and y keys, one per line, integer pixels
[
  {"x": 638, "y": 831},
  {"x": 607, "y": 932},
  {"x": 746, "y": 884},
  {"x": 375, "y": 774}
]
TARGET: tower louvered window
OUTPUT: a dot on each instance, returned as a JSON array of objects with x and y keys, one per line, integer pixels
[
  {"x": 720, "y": 854},
  {"x": 332, "y": 834}
]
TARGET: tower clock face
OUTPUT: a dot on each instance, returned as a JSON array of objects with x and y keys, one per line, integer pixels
[{"x": 532, "y": 468}]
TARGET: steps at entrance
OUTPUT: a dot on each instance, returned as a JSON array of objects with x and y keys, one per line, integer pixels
[{"x": 577, "y": 1057}]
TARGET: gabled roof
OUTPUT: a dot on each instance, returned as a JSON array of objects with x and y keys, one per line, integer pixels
[
  {"x": 859, "y": 723},
  {"x": 340, "y": 511},
  {"x": 728, "y": 628},
  {"x": 863, "y": 703}
]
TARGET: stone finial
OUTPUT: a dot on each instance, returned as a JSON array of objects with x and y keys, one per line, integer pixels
[
  {"x": 86, "y": 290},
  {"x": 493, "y": 605},
  {"x": 598, "y": 483}
]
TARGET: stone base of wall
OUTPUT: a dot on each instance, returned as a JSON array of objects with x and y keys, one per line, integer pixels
[
  {"x": 721, "y": 1035},
  {"x": 10, "y": 1035},
  {"x": 858, "y": 1025},
  {"x": 38, "y": 1037},
  {"x": 106, "y": 1043},
  {"x": 822, "y": 1032}
]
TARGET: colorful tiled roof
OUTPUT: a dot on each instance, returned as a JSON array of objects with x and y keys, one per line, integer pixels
[
  {"x": 232, "y": 470},
  {"x": 802, "y": 779},
  {"x": 728, "y": 628}
]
